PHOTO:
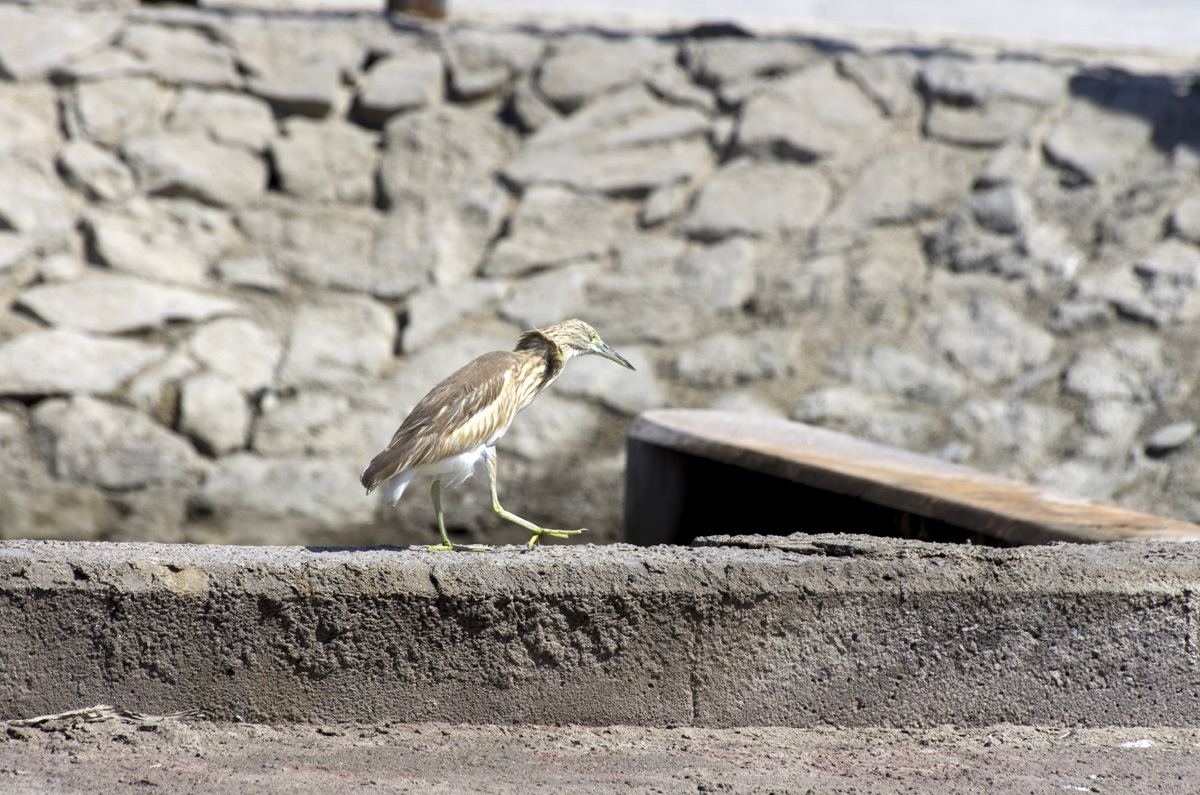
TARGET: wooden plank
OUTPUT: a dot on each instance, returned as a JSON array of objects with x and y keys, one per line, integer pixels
[{"x": 834, "y": 463}]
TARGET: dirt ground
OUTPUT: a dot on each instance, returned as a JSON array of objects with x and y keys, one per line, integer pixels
[{"x": 105, "y": 751}]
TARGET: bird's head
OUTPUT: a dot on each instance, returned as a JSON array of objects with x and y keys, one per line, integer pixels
[{"x": 576, "y": 338}]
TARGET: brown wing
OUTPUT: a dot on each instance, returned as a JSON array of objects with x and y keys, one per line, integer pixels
[{"x": 463, "y": 411}]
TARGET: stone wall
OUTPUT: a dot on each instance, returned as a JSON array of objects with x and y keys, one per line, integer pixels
[{"x": 236, "y": 247}]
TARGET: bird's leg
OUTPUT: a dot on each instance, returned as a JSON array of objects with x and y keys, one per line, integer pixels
[
  {"x": 489, "y": 454},
  {"x": 436, "y": 492}
]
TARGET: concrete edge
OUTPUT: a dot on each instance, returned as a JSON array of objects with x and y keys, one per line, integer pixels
[{"x": 804, "y": 631}]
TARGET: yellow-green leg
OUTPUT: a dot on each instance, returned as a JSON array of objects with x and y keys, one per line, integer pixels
[
  {"x": 436, "y": 492},
  {"x": 489, "y": 454}
]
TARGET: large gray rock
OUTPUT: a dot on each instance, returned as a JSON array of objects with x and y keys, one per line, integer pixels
[
  {"x": 145, "y": 247},
  {"x": 992, "y": 124},
  {"x": 721, "y": 277},
  {"x": 665, "y": 203},
  {"x": 30, "y": 124},
  {"x": 1003, "y": 209},
  {"x": 726, "y": 359},
  {"x": 321, "y": 491},
  {"x": 156, "y": 514},
  {"x": 1159, "y": 288},
  {"x": 1004, "y": 432},
  {"x": 18, "y": 267},
  {"x": 181, "y": 56},
  {"x": 529, "y": 108},
  {"x": 37, "y": 206},
  {"x": 837, "y": 407},
  {"x": 338, "y": 342},
  {"x": 811, "y": 115},
  {"x": 401, "y": 82},
  {"x": 916, "y": 375},
  {"x": 257, "y": 272},
  {"x": 60, "y": 361},
  {"x": 225, "y": 117},
  {"x": 59, "y": 511},
  {"x": 1185, "y": 219},
  {"x": 1125, "y": 370},
  {"x": 113, "y": 447},
  {"x": 878, "y": 418},
  {"x": 438, "y": 311},
  {"x": 1013, "y": 163},
  {"x": 720, "y": 61},
  {"x": 1117, "y": 424},
  {"x": 546, "y": 298},
  {"x": 672, "y": 82},
  {"x": 887, "y": 277},
  {"x": 294, "y": 64},
  {"x": 626, "y": 143},
  {"x": 270, "y": 44},
  {"x": 155, "y": 390},
  {"x": 961, "y": 81},
  {"x": 1171, "y": 437},
  {"x": 326, "y": 161},
  {"x": 536, "y": 238},
  {"x": 305, "y": 85},
  {"x": 21, "y": 457},
  {"x": 583, "y": 66},
  {"x": 628, "y": 309},
  {"x": 483, "y": 61},
  {"x": 35, "y": 44},
  {"x": 96, "y": 172},
  {"x": 102, "y": 65},
  {"x": 113, "y": 304},
  {"x": 907, "y": 185},
  {"x": 553, "y": 427},
  {"x": 729, "y": 203},
  {"x": 318, "y": 245},
  {"x": 989, "y": 340},
  {"x": 113, "y": 110},
  {"x": 961, "y": 245},
  {"x": 438, "y": 178},
  {"x": 196, "y": 168},
  {"x": 887, "y": 78},
  {"x": 319, "y": 424},
  {"x": 1095, "y": 142},
  {"x": 213, "y": 411},
  {"x": 164, "y": 241},
  {"x": 238, "y": 350},
  {"x": 793, "y": 282}
]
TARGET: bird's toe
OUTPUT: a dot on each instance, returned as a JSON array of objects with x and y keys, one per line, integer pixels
[{"x": 459, "y": 548}]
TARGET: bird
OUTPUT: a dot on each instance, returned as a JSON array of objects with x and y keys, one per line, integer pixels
[{"x": 457, "y": 424}]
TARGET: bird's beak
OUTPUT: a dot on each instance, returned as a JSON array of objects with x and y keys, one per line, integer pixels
[{"x": 602, "y": 348}]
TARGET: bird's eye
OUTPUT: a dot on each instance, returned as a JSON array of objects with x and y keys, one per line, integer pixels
[{"x": 595, "y": 337}]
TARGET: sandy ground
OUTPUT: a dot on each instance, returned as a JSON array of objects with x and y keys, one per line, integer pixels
[{"x": 101, "y": 751}]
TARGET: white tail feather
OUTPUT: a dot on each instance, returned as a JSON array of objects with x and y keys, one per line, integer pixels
[{"x": 396, "y": 488}]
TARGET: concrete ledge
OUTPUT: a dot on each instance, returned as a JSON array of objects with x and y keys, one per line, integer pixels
[{"x": 793, "y": 631}]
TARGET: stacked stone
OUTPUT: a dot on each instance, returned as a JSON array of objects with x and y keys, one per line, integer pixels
[{"x": 236, "y": 248}]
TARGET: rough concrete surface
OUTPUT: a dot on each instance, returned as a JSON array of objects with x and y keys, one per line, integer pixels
[
  {"x": 102, "y": 752},
  {"x": 750, "y": 631}
]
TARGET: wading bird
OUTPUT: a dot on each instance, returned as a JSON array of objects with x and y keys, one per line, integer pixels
[{"x": 461, "y": 419}]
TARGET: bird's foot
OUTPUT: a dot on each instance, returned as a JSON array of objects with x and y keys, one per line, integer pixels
[
  {"x": 448, "y": 547},
  {"x": 537, "y": 534}
]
